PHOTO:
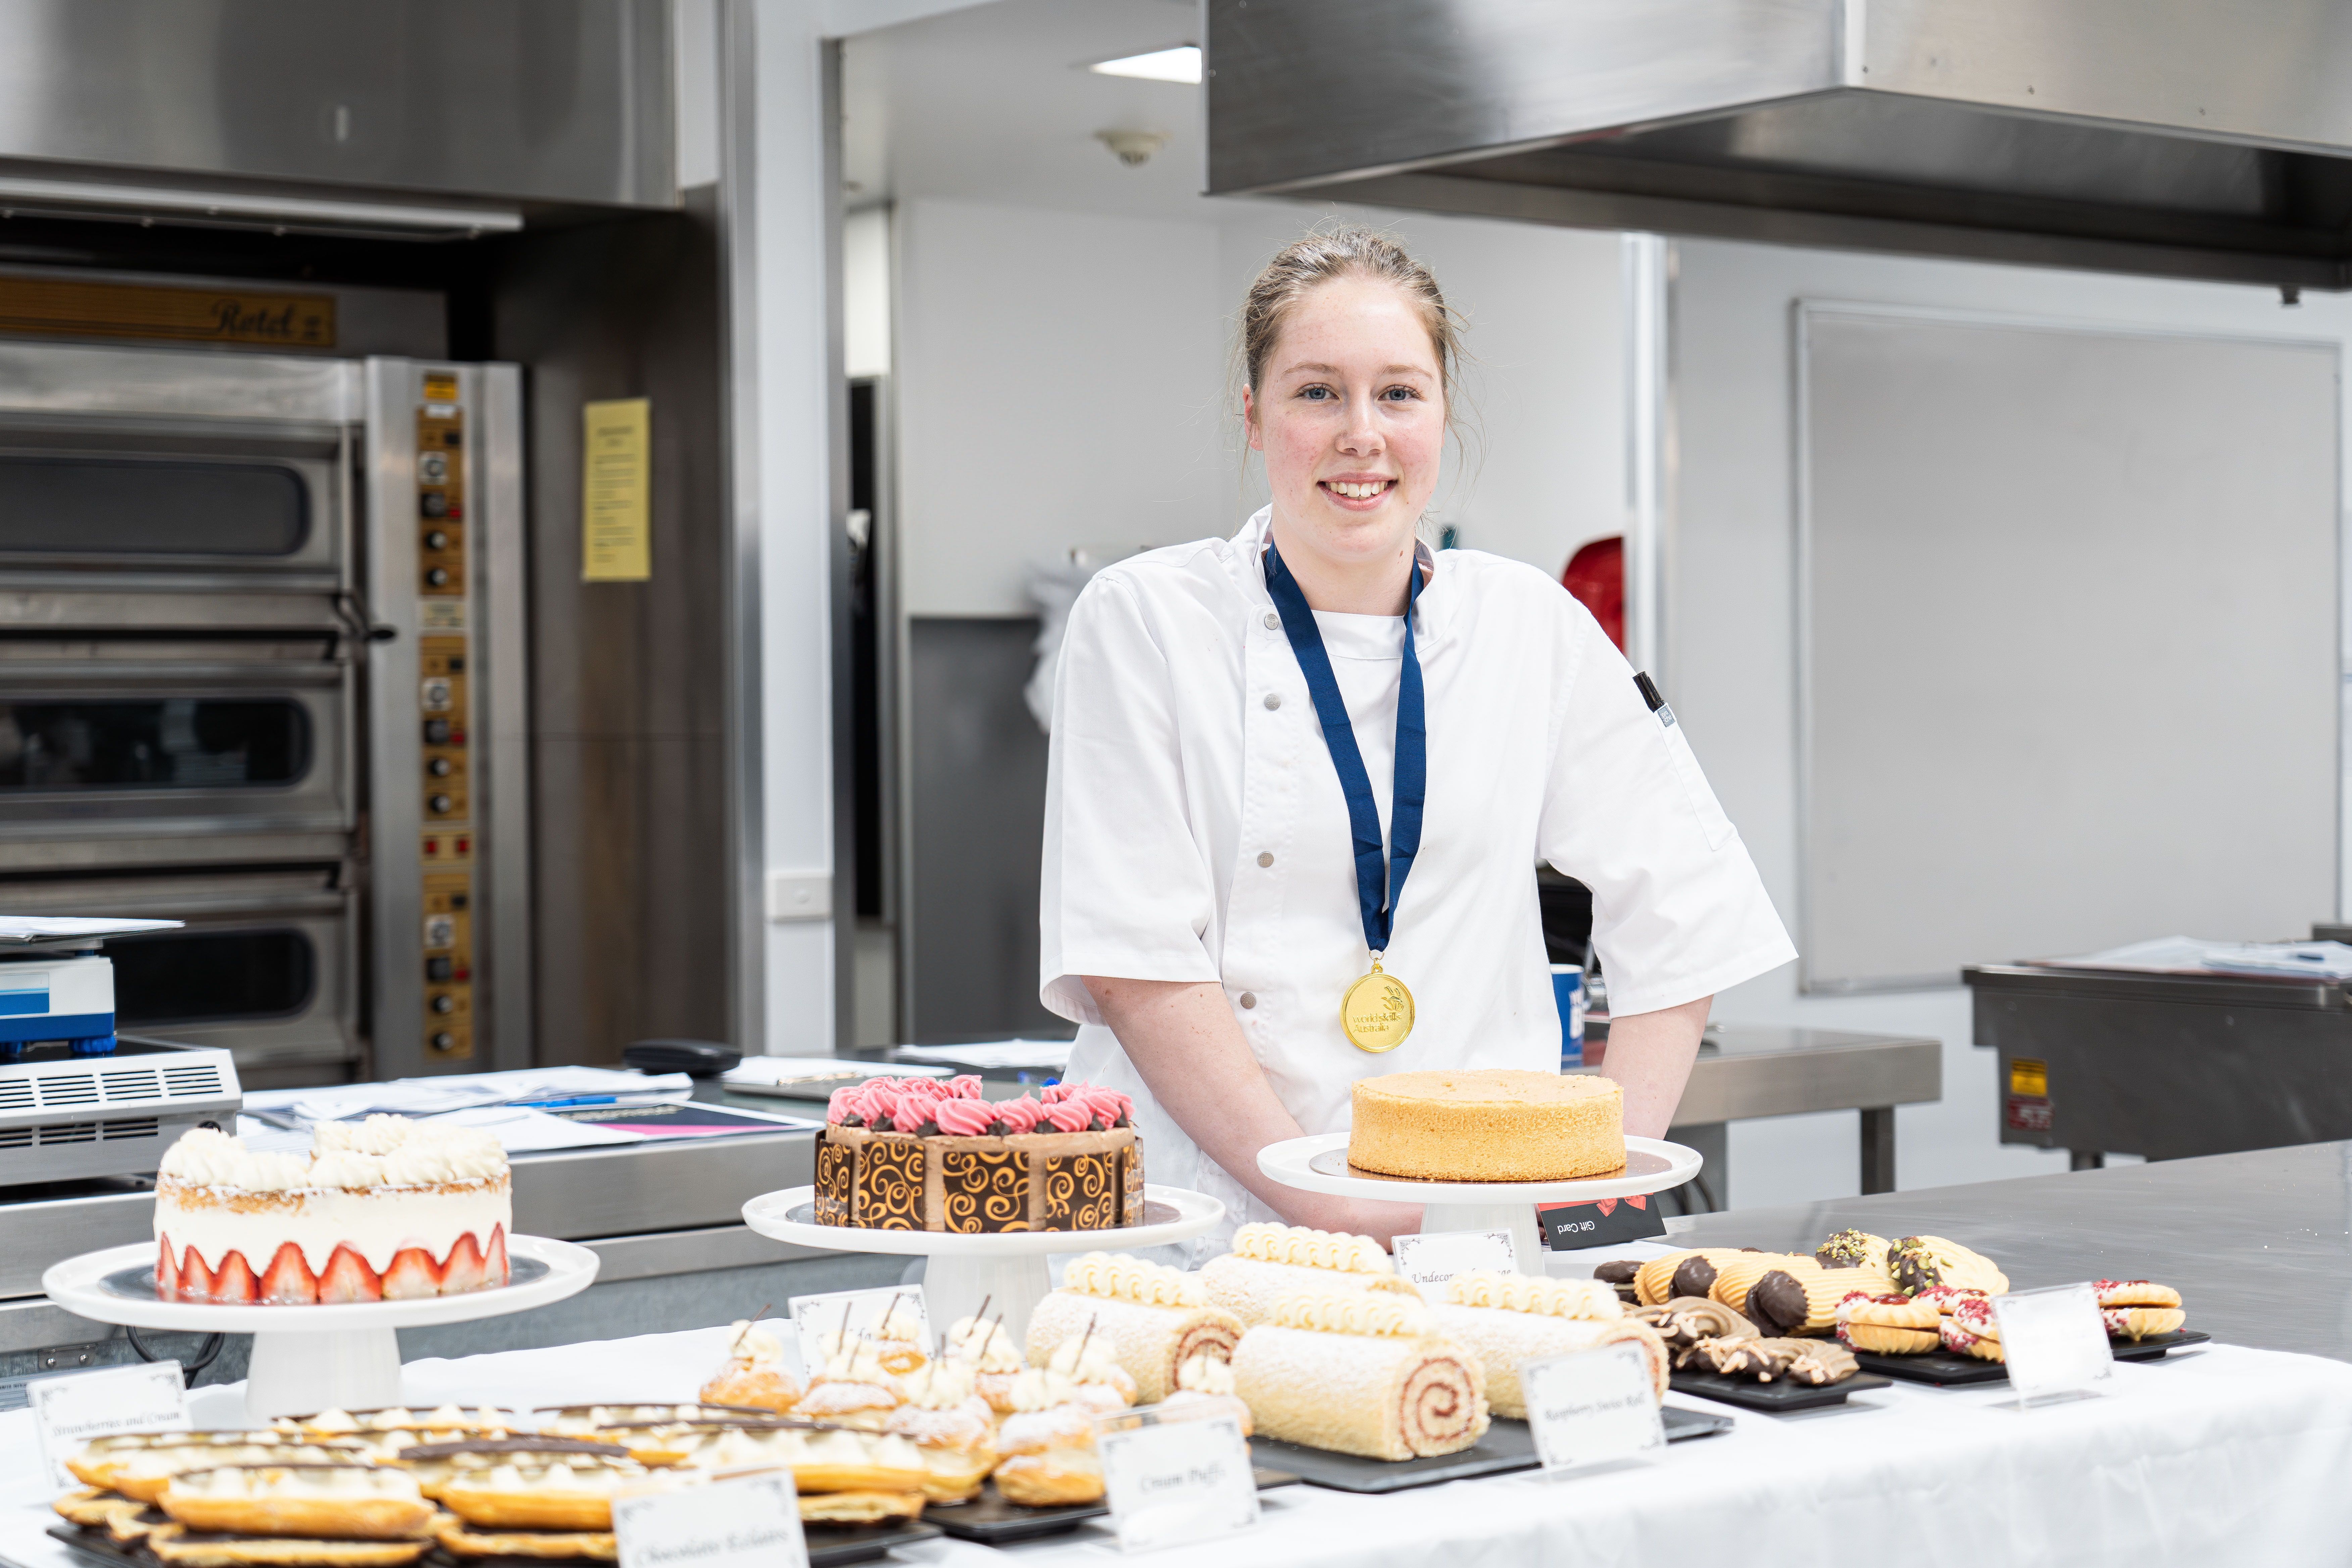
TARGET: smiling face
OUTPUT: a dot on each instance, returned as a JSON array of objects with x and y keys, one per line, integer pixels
[{"x": 1349, "y": 414}]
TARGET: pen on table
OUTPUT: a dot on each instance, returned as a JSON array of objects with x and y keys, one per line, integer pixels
[{"x": 575, "y": 1099}]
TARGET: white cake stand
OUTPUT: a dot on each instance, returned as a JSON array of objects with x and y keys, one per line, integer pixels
[
  {"x": 1319, "y": 1164},
  {"x": 305, "y": 1359},
  {"x": 1007, "y": 1268}
]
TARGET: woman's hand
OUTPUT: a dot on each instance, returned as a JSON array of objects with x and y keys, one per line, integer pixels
[{"x": 1182, "y": 1038}]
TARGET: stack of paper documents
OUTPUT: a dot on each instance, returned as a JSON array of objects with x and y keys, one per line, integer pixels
[
  {"x": 2188, "y": 954},
  {"x": 1051, "y": 1056}
]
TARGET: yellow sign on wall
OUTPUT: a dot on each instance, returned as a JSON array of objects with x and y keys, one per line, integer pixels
[{"x": 616, "y": 492}]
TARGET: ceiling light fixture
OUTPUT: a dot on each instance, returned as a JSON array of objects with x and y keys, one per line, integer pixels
[
  {"x": 1181, "y": 64},
  {"x": 1133, "y": 148}
]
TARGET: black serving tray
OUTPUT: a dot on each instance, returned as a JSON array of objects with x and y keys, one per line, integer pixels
[
  {"x": 991, "y": 1519},
  {"x": 1779, "y": 1397},
  {"x": 829, "y": 1546},
  {"x": 1507, "y": 1445},
  {"x": 1946, "y": 1369}
]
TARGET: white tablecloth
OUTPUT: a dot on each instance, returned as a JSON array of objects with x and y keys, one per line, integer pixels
[{"x": 2221, "y": 1455}]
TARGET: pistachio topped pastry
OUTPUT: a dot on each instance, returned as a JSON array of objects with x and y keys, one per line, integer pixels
[
  {"x": 1920, "y": 1262},
  {"x": 1853, "y": 1249}
]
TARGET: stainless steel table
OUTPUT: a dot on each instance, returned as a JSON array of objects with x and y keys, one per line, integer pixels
[
  {"x": 2259, "y": 1245},
  {"x": 1744, "y": 1071}
]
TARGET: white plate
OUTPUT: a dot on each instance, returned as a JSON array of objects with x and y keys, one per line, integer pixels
[
  {"x": 95, "y": 1286},
  {"x": 1319, "y": 1164},
  {"x": 790, "y": 1215}
]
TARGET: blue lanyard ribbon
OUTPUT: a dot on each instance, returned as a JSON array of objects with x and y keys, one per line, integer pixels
[{"x": 1410, "y": 783}]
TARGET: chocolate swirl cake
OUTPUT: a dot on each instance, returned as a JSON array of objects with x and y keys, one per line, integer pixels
[{"x": 923, "y": 1154}]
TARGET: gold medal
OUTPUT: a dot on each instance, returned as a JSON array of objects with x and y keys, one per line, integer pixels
[{"x": 1377, "y": 1012}]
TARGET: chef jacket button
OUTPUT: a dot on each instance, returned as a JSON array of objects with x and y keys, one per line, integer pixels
[
  {"x": 1274, "y": 699},
  {"x": 1273, "y": 622},
  {"x": 1249, "y": 998},
  {"x": 1266, "y": 858}
]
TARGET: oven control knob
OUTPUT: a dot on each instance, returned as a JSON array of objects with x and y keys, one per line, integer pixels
[
  {"x": 437, "y": 578},
  {"x": 437, "y": 539},
  {"x": 437, "y": 732},
  {"x": 432, "y": 467},
  {"x": 436, "y": 970},
  {"x": 440, "y": 805},
  {"x": 444, "y": 1004},
  {"x": 444, "y": 1041},
  {"x": 436, "y": 504},
  {"x": 438, "y": 767}
]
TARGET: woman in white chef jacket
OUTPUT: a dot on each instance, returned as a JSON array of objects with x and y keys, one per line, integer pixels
[{"x": 1204, "y": 909}]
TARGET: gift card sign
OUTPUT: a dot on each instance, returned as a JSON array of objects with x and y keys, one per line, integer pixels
[
  {"x": 1173, "y": 1481},
  {"x": 69, "y": 1411},
  {"x": 1588, "y": 1406},
  {"x": 1431, "y": 1259},
  {"x": 1602, "y": 1223},
  {"x": 2054, "y": 1341},
  {"x": 817, "y": 1319},
  {"x": 751, "y": 1521}
]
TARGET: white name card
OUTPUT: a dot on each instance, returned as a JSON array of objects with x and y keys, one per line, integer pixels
[
  {"x": 2054, "y": 1340},
  {"x": 69, "y": 1411},
  {"x": 817, "y": 1319},
  {"x": 1173, "y": 1481},
  {"x": 752, "y": 1521},
  {"x": 1588, "y": 1406},
  {"x": 1432, "y": 1258}
]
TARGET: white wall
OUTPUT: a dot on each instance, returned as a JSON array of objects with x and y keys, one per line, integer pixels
[
  {"x": 1731, "y": 629},
  {"x": 1057, "y": 386}
]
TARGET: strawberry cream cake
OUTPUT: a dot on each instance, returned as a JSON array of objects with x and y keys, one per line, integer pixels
[{"x": 386, "y": 1209}]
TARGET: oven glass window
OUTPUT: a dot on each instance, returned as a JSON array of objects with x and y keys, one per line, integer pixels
[
  {"x": 150, "y": 506},
  {"x": 180, "y": 742},
  {"x": 182, "y": 977}
]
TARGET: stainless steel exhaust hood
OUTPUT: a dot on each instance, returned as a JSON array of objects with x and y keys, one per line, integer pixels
[{"x": 2187, "y": 138}]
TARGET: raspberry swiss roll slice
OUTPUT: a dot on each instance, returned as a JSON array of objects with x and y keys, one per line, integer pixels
[
  {"x": 1506, "y": 1319},
  {"x": 1271, "y": 1261},
  {"x": 1153, "y": 1318},
  {"x": 1361, "y": 1374}
]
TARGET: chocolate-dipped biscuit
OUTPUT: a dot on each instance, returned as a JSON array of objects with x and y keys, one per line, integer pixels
[
  {"x": 1850, "y": 1248},
  {"x": 1617, "y": 1270},
  {"x": 1776, "y": 1303},
  {"x": 1694, "y": 1276}
]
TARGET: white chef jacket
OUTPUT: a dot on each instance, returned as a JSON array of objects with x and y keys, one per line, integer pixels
[{"x": 1195, "y": 828}]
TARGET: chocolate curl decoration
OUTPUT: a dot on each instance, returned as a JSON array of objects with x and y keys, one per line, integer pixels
[{"x": 1080, "y": 1358}]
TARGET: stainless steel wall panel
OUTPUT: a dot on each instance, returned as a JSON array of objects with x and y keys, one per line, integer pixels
[
  {"x": 1307, "y": 89},
  {"x": 502, "y": 805},
  {"x": 2171, "y": 139},
  {"x": 551, "y": 100},
  {"x": 976, "y": 778}
]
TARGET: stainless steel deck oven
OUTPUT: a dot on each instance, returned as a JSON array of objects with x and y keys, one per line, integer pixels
[{"x": 261, "y": 650}]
